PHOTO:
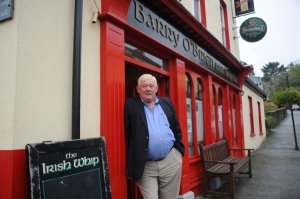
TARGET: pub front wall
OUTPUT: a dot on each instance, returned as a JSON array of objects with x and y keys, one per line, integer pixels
[
  {"x": 36, "y": 82},
  {"x": 116, "y": 31},
  {"x": 36, "y": 52}
]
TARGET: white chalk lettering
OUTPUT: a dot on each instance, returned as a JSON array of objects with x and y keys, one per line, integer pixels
[
  {"x": 84, "y": 161},
  {"x": 54, "y": 168}
]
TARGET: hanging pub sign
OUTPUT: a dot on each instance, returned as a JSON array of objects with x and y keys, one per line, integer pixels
[
  {"x": 6, "y": 9},
  {"x": 243, "y": 7},
  {"x": 71, "y": 169},
  {"x": 253, "y": 29}
]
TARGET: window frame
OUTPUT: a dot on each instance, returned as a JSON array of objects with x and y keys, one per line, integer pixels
[
  {"x": 252, "y": 133},
  {"x": 224, "y": 24},
  {"x": 259, "y": 118}
]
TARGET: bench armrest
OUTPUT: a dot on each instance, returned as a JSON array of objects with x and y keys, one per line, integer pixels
[
  {"x": 242, "y": 149},
  {"x": 219, "y": 161}
]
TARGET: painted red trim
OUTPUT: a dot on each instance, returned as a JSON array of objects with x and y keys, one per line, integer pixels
[
  {"x": 145, "y": 65},
  {"x": 117, "y": 10},
  {"x": 239, "y": 121},
  {"x": 177, "y": 82},
  {"x": 112, "y": 104},
  {"x": 227, "y": 111},
  {"x": 207, "y": 109},
  {"x": 203, "y": 12},
  {"x": 251, "y": 116},
  {"x": 13, "y": 175},
  {"x": 148, "y": 41},
  {"x": 234, "y": 140},
  {"x": 113, "y": 29},
  {"x": 6, "y": 174},
  {"x": 259, "y": 118}
]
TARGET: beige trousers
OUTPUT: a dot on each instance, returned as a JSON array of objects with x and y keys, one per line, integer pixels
[{"x": 161, "y": 179}]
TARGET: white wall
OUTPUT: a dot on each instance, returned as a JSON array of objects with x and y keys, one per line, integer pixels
[
  {"x": 36, "y": 73},
  {"x": 90, "y": 72},
  {"x": 253, "y": 142},
  {"x": 213, "y": 21},
  {"x": 188, "y": 4}
]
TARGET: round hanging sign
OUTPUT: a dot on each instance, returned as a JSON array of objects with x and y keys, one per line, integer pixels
[{"x": 253, "y": 29}]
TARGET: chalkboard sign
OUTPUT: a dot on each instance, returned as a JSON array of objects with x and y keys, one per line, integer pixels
[
  {"x": 75, "y": 169},
  {"x": 6, "y": 9}
]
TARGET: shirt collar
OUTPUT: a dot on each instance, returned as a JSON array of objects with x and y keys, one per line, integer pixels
[{"x": 156, "y": 100}]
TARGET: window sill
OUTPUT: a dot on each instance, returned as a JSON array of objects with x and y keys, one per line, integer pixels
[{"x": 252, "y": 135}]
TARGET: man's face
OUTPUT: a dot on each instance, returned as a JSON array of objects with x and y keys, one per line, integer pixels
[{"x": 147, "y": 89}]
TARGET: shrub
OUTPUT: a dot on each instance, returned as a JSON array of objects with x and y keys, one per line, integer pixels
[
  {"x": 270, "y": 106},
  {"x": 285, "y": 98},
  {"x": 270, "y": 122}
]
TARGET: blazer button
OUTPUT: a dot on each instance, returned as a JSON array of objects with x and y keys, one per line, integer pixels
[
  {"x": 147, "y": 137},
  {"x": 146, "y": 149}
]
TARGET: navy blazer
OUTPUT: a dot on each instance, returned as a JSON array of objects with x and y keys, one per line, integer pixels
[{"x": 137, "y": 135}]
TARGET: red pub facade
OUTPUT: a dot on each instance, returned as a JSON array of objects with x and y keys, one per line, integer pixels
[
  {"x": 203, "y": 79},
  {"x": 200, "y": 74}
]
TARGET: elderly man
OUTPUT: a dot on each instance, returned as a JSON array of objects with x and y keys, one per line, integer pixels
[{"x": 153, "y": 141}]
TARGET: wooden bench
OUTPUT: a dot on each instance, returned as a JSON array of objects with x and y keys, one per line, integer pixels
[{"x": 218, "y": 162}]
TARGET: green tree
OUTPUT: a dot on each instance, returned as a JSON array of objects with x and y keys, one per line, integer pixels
[
  {"x": 273, "y": 77},
  {"x": 280, "y": 82},
  {"x": 294, "y": 74},
  {"x": 271, "y": 70},
  {"x": 285, "y": 98}
]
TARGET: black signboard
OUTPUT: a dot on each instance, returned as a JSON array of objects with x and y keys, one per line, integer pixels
[
  {"x": 74, "y": 169},
  {"x": 142, "y": 17},
  {"x": 253, "y": 29},
  {"x": 6, "y": 9}
]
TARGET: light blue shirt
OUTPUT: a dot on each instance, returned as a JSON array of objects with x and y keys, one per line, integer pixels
[{"x": 161, "y": 137}]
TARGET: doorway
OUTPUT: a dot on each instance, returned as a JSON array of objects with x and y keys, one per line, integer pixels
[{"x": 133, "y": 72}]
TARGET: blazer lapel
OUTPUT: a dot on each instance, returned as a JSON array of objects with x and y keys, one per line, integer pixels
[{"x": 141, "y": 112}]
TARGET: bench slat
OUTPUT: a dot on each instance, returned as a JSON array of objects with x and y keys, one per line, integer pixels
[{"x": 225, "y": 168}]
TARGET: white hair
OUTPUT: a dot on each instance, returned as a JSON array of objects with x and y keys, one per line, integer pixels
[{"x": 146, "y": 76}]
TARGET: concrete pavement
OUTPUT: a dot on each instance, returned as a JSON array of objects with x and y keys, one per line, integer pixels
[{"x": 276, "y": 166}]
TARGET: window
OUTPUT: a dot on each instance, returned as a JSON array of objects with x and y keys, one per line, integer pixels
[
  {"x": 220, "y": 114},
  {"x": 251, "y": 116},
  {"x": 224, "y": 24},
  {"x": 214, "y": 114},
  {"x": 145, "y": 57},
  {"x": 259, "y": 118},
  {"x": 199, "y": 112},
  {"x": 189, "y": 115},
  {"x": 197, "y": 10}
]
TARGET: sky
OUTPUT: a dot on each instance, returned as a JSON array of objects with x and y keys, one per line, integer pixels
[{"x": 282, "y": 40}]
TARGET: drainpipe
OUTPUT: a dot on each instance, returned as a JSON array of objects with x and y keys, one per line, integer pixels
[{"x": 76, "y": 70}]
